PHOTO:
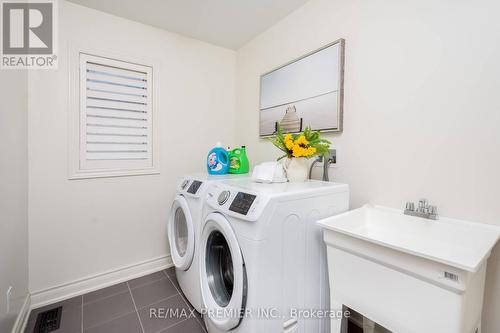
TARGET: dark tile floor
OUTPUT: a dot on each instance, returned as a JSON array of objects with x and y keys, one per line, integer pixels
[{"x": 136, "y": 306}]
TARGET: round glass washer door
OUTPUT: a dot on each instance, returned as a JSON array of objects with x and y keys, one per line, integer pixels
[
  {"x": 222, "y": 272},
  {"x": 181, "y": 234}
]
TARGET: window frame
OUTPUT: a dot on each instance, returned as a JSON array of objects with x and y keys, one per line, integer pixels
[{"x": 79, "y": 168}]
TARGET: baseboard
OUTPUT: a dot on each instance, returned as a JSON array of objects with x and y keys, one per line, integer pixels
[
  {"x": 82, "y": 286},
  {"x": 22, "y": 317}
]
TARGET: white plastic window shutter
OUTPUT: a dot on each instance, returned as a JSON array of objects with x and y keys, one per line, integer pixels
[{"x": 116, "y": 116}]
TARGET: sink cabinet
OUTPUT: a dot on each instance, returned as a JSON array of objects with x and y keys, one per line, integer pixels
[{"x": 408, "y": 274}]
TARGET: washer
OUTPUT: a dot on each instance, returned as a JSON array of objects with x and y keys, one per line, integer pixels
[
  {"x": 262, "y": 256},
  {"x": 184, "y": 229}
]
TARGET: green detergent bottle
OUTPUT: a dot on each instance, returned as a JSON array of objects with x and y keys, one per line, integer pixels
[{"x": 238, "y": 161}]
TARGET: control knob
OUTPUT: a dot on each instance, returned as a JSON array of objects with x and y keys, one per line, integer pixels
[{"x": 223, "y": 197}]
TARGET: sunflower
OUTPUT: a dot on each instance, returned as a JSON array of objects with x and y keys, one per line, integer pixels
[
  {"x": 289, "y": 141},
  {"x": 305, "y": 144},
  {"x": 301, "y": 140}
]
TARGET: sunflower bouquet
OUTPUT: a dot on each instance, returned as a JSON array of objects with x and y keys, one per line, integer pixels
[{"x": 306, "y": 144}]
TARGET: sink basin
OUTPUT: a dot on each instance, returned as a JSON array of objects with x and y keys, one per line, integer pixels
[
  {"x": 453, "y": 242},
  {"x": 408, "y": 274}
]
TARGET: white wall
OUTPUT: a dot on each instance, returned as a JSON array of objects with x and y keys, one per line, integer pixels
[
  {"x": 422, "y": 103},
  {"x": 80, "y": 228},
  {"x": 421, "y": 116},
  {"x": 13, "y": 193}
]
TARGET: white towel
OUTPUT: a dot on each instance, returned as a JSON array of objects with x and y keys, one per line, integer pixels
[{"x": 269, "y": 172}]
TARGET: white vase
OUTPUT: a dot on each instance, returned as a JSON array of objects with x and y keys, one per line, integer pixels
[{"x": 296, "y": 169}]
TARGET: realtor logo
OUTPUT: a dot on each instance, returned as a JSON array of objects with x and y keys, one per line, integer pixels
[{"x": 28, "y": 34}]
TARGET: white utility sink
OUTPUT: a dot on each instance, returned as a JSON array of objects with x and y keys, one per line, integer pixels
[{"x": 409, "y": 274}]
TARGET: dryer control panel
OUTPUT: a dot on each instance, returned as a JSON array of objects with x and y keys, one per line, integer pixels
[
  {"x": 191, "y": 187},
  {"x": 194, "y": 187}
]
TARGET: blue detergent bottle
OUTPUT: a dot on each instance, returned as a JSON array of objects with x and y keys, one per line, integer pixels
[{"x": 218, "y": 160}]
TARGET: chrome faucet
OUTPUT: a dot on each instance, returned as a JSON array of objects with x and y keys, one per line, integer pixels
[
  {"x": 423, "y": 210},
  {"x": 330, "y": 158}
]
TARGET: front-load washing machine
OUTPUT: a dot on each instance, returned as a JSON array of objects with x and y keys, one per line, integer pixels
[
  {"x": 262, "y": 259},
  {"x": 184, "y": 229}
]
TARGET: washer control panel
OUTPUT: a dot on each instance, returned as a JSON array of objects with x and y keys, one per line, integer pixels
[
  {"x": 242, "y": 203},
  {"x": 232, "y": 201}
]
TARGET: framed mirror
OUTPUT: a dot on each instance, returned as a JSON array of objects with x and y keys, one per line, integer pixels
[{"x": 308, "y": 91}]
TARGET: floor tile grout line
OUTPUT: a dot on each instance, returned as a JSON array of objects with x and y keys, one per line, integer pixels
[
  {"x": 199, "y": 324},
  {"x": 129, "y": 290},
  {"x": 178, "y": 290},
  {"x": 81, "y": 324},
  {"x": 119, "y": 292},
  {"x": 146, "y": 283},
  {"x": 161, "y": 300},
  {"x": 185, "y": 301},
  {"x": 165, "y": 272},
  {"x": 135, "y": 306},
  {"x": 202, "y": 327},
  {"x": 158, "y": 301},
  {"x": 136, "y": 309},
  {"x": 169, "y": 327},
  {"x": 196, "y": 318},
  {"x": 104, "y": 297},
  {"x": 110, "y": 319},
  {"x": 168, "y": 277}
]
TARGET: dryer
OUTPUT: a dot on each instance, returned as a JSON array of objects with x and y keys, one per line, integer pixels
[
  {"x": 262, "y": 258},
  {"x": 184, "y": 229}
]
